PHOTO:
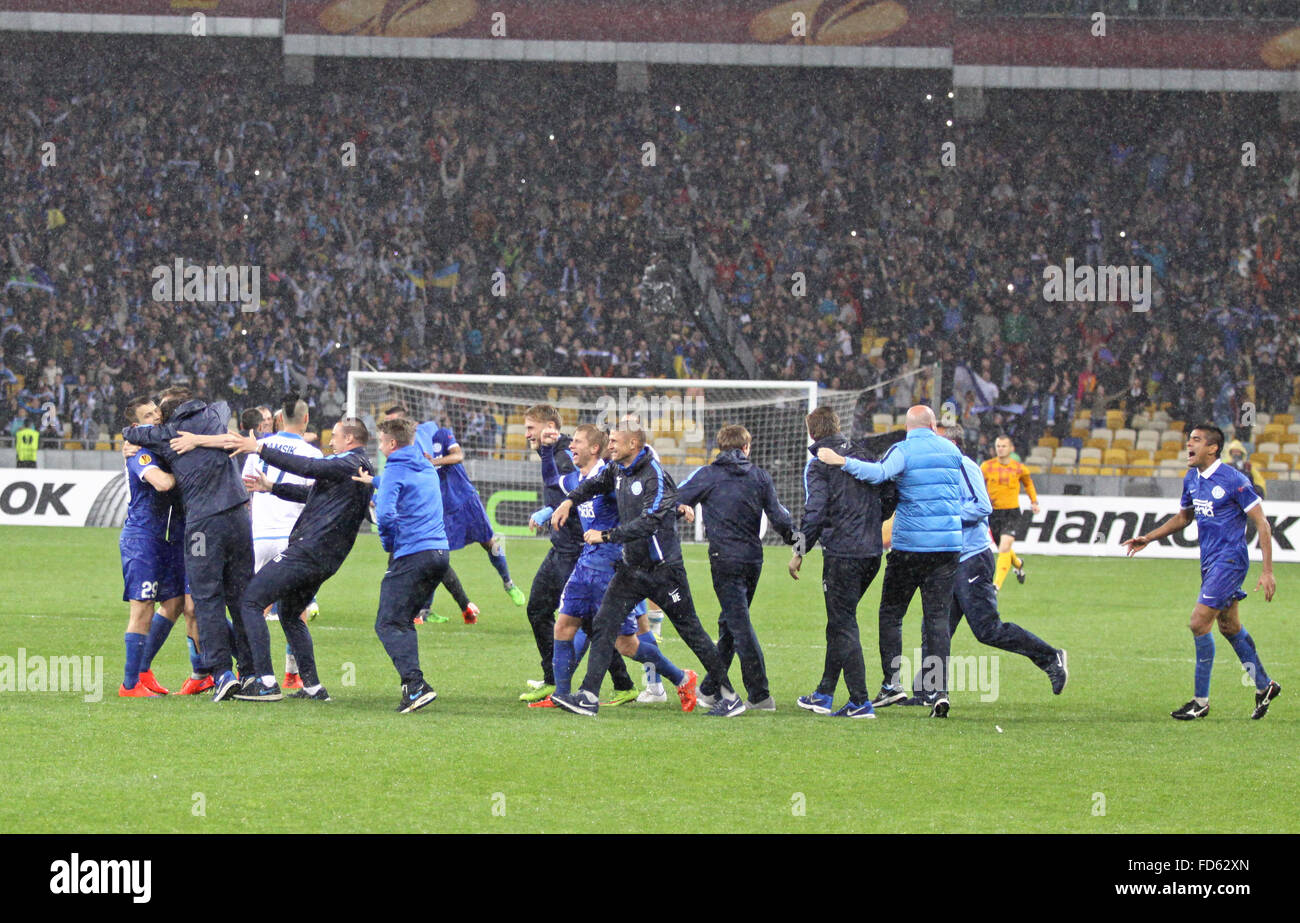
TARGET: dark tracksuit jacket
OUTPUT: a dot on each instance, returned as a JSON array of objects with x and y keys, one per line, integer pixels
[
  {"x": 566, "y": 546},
  {"x": 218, "y": 533},
  {"x": 846, "y": 520},
  {"x": 651, "y": 565},
  {"x": 735, "y": 493},
  {"x": 335, "y": 506},
  {"x": 324, "y": 533}
]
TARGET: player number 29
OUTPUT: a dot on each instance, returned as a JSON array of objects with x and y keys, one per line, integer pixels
[{"x": 148, "y": 590}]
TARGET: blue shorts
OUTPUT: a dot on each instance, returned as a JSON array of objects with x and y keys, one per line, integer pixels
[
  {"x": 1221, "y": 585},
  {"x": 467, "y": 524},
  {"x": 152, "y": 570},
  {"x": 585, "y": 590}
]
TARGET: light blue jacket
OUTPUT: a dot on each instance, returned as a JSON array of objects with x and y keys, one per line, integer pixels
[
  {"x": 975, "y": 509},
  {"x": 928, "y": 470},
  {"x": 408, "y": 504}
]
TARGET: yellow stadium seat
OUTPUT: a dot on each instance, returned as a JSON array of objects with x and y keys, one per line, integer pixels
[
  {"x": 1109, "y": 472},
  {"x": 1285, "y": 419},
  {"x": 1097, "y": 442},
  {"x": 1287, "y": 458},
  {"x": 1051, "y": 442},
  {"x": 325, "y": 436},
  {"x": 1140, "y": 456},
  {"x": 1114, "y": 419},
  {"x": 1088, "y": 469},
  {"x": 1034, "y": 469},
  {"x": 1115, "y": 457},
  {"x": 1141, "y": 469},
  {"x": 1060, "y": 469},
  {"x": 516, "y": 441},
  {"x": 1118, "y": 443},
  {"x": 1260, "y": 459},
  {"x": 103, "y": 446},
  {"x": 71, "y": 445},
  {"x": 1164, "y": 454}
]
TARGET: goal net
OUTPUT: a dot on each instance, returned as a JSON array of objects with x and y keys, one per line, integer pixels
[
  {"x": 883, "y": 406},
  {"x": 681, "y": 418}
]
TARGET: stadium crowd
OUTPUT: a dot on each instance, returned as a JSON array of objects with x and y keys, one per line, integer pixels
[{"x": 391, "y": 263}]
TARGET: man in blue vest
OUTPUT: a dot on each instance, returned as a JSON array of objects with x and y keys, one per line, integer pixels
[{"x": 926, "y": 544}]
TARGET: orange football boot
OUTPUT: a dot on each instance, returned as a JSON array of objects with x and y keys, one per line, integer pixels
[
  {"x": 149, "y": 682},
  {"x": 194, "y": 686}
]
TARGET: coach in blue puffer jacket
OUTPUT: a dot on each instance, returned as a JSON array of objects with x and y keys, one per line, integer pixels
[{"x": 927, "y": 541}]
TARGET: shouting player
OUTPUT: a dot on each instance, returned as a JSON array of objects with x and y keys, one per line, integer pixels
[
  {"x": 591, "y": 576},
  {"x": 1003, "y": 475},
  {"x": 651, "y": 566},
  {"x": 1220, "y": 499}
]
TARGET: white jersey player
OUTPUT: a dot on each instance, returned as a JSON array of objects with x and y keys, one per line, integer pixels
[{"x": 273, "y": 517}]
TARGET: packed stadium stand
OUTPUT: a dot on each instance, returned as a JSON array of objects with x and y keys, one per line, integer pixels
[{"x": 389, "y": 264}]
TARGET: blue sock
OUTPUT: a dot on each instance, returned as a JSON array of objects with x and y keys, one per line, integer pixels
[
  {"x": 499, "y": 562},
  {"x": 579, "y": 645},
  {"x": 159, "y": 629},
  {"x": 563, "y": 660},
  {"x": 1204, "y": 664},
  {"x": 275, "y": 609},
  {"x": 196, "y": 662},
  {"x": 1244, "y": 645},
  {"x": 648, "y": 652},
  {"x": 134, "y": 647}
]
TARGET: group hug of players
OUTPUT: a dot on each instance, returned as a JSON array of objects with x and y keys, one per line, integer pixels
[
  {"x": 612, "y": 512},
  {"x": 193, "y": 542}
]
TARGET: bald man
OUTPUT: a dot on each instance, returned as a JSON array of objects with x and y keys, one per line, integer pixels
[{"x": 925, "y": 547}]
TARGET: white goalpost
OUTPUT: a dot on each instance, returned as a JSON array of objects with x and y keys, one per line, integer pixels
[{"x": 681, "y": 418}]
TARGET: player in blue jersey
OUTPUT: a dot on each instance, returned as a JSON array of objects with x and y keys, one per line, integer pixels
[
  {"x": 153, "y": 566},
  {"x": 1221, "y": 500},
  {"x": 464, "y": 517},
  {"x": 586, "y": 586}
]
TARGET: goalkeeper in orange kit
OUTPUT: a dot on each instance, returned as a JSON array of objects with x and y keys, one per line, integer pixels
[{"x": 1003, "y": 475}]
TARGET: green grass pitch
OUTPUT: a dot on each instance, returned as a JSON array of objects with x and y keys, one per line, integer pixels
[{"x": 1103, "y": 757}]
